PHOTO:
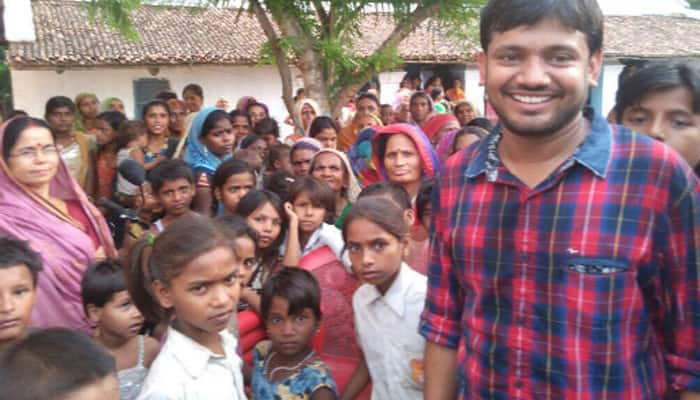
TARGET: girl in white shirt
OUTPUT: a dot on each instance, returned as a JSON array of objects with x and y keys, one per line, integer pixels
[
  {"x": 388, "y": 305},
  {"x": 195, "y": 272}
]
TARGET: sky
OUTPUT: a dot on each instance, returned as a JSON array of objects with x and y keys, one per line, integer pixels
[{"x": 638, "y": 7}]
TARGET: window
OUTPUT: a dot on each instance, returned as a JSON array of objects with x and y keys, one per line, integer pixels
[{"x": 146, "y": 90}]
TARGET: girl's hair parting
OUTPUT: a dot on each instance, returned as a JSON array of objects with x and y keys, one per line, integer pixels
[
  {"x": 154, "y": 103},
  {"x": 129, "y": 131},
  {"x": 380, "y": 211},
  {"x": 467, "y": 130},
  {"x": 249, "y": 140},
  {"x": 319, "y": 193},
  {"x": 181, "y": 242},
  {"x": 237, "y": 228},
  {"x": 298, "y": 286},
  {"x": 255, "y": 199},
  {"x": 392, "y": 190},
  {"x": 113, "y": 118},
  {"x": 211, "y": 120},
  {"x": 321, "y": 123},
  {"x": 235, "y": 113}
]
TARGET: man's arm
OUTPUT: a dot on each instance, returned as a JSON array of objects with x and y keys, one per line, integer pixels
[{"x": 440, "y": 372}]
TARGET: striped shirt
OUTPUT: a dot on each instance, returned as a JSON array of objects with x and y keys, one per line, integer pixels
[{"x": 584, "y": 287}]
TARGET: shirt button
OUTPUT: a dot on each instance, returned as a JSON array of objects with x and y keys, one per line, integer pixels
[{"x": 518, "y": 384}]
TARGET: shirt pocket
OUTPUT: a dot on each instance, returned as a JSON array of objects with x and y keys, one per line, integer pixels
[{"x": 408, "y": 364}]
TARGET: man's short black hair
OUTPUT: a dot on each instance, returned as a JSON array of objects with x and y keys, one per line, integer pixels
[
  {"x": 15, "y": 252},
  {"x": 581, "y": 15},
  {"x": 168, "y": 171},
  {"x": 100, "y": 282},
  {"x": 659, "y": 76},
  {"x": 51, "y": 364}
]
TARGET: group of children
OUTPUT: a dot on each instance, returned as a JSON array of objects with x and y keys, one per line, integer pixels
[{"x": 167, "y": 315}]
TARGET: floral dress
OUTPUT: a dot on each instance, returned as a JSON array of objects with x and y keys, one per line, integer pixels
[{"x": 300, "y": 386}]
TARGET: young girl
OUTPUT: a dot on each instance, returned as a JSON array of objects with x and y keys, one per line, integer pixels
[
  {"x": 118, "y": 322},
  {"x": 131, "y": 138},
  {"x": 286, "y": 366},
  {"x": 246, "y": 247},
  {"x": 211, "y": 142},
  {"x": 310, "y": 203},
  {"x": 231, "y": 181},
  {"x": 325, "y": 130},
  {"x": 390, "y": 301},
  {"x": 263, "y": 211},
  {"x": 194, "y": 270},
  {"x": 106, "y": 127},
  {"x": 156, "y": 119}
]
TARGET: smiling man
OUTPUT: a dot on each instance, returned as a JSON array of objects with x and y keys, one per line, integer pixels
[{"x": 565, "y": 257}]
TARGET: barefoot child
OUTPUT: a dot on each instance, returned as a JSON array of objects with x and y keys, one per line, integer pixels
[
  {"x": 286, "y": 366},
  {"x": 19, "y": 269},
  {"x": 388, "y": 305},
  {"x": 195, "y": 271},
  {"x": 118, "y": 322}
]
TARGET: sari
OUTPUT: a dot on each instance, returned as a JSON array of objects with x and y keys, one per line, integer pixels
[{"x": 64, "y": 244}]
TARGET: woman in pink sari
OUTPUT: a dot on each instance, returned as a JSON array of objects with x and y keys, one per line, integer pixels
[{"x": 40, "y": 202}]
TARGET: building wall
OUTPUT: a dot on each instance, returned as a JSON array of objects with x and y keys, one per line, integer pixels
[{"x": 31, "y": 88}]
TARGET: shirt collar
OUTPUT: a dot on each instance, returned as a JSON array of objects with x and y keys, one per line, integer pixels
[
  {"x": 593, "y": 153},
  {"x": 193, "y": 356},
  {"x": 394, "y": 297}
]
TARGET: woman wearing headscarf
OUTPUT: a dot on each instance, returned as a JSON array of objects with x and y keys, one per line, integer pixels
[
  {"x": 41, "y": 202},
  {"x": 113, "y": 104},
  {"x": 436, "y": 126},
  {"x": 307, "y": 110},
  {"x": 457, "y": 140},
  {"x": 332, "y": 167},
  {"x": 465, "y": 111},
  {"x": 87, "y": 107},
  {"x": 209, "y": 143}
]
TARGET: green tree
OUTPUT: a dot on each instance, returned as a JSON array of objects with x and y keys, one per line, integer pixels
[
  {"x": 317, "y": 35},
  {"x": 694, "y": 4}
]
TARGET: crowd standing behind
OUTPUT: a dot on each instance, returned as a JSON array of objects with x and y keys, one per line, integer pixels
[{"x": 403, "y": 251}]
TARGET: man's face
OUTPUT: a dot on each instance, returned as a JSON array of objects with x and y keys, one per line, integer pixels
[
  {"x": 367, "y": 106},
  {"x": 537, "y": 77}
]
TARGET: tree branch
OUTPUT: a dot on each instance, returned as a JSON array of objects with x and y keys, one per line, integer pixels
[
  {"x": 400, "y": 32},
  {"x": 280, "y": 56}
]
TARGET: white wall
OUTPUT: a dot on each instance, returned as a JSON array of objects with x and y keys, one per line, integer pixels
[{"x": 31, "y": 88}]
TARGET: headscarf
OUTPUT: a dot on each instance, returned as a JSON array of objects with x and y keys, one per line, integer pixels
[
  {"x": 469, "y": 103},
  {"x": 314, "y": 105},
  {"x": 79, "y": 124},
  {"x": 435, "y": 123},
  {"x": 444, "y": 147},
  {"x": 242, "y": 103},
  {"x": 196, "y": 153},
  {"x": 431, "y": 164},
  {"x": 353, "y": 189},
  {"x": 65, "y": 248},
  {"x": 107, "y": 103},
  {"x": 360, "y": 157}
]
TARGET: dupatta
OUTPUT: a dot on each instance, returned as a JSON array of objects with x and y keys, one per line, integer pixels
[
  {"x": 196, "y": 153},
  {"x": 65, "y": 247}
]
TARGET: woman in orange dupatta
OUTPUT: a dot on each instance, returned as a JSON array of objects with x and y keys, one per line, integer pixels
[{"x": 41, "y": 202}]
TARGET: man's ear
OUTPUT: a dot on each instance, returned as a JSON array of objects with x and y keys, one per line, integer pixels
[
  {"x": 595, "y": 65},
  {"x": 94, "y": 313},
  {"x": 163, "y": 294}
]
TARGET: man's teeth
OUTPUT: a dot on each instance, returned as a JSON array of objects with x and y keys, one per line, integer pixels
[{"x": 531, "y": 99}]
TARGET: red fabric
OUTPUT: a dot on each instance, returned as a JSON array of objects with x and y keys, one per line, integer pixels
[
  {"x": 77, "y": 213},
  {"x": 433, "y": 125}
]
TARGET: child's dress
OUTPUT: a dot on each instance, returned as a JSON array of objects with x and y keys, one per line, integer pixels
[
  {"x": 131, "y": 379},
  {"x": 300, "y": 386}
]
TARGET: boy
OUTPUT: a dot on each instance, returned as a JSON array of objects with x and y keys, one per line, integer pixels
[
  {"x": 173, "y": 186},
  {"x": 58, "y": 363},
  {"x": 19, "y": 267},
  {"x": 662, "y": 100}
]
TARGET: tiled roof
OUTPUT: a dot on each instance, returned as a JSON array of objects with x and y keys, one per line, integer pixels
[{"x": 224, "y": 36}]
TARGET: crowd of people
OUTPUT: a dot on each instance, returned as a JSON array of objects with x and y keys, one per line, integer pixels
[{"x": 409, "y": 250}]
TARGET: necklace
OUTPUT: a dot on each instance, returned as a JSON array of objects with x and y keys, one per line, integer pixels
[{"x": 270, "y": 374}]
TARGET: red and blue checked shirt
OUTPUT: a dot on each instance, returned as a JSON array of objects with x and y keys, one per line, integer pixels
[{"x": 585, "y": 287}]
